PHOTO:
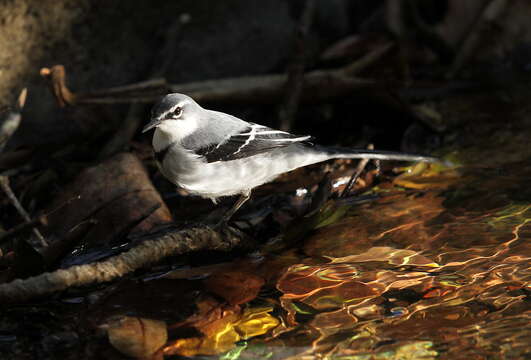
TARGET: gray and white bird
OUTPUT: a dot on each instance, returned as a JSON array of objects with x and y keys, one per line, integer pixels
[{"x": 213, "y": 154}]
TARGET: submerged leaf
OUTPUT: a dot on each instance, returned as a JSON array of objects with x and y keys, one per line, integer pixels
[
  {"x": 256, "y": 321},
  {"x": 222, "y": 335}
]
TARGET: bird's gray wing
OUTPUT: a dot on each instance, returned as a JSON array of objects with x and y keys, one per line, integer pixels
[{"x": 252, "y": 140}]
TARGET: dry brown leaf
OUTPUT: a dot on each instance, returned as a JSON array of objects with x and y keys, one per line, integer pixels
[{"x": 137, "y": 337}]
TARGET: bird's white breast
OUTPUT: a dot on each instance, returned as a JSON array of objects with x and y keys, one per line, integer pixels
[{"x": 225, "y": 178}]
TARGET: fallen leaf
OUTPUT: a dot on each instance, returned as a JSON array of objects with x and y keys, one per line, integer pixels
[
  {"x": 222, "y": 334},
  {"x": 137, "y": 337}
]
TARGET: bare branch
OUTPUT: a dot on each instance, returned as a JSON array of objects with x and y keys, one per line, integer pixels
[{"x": 170, "y": 243}]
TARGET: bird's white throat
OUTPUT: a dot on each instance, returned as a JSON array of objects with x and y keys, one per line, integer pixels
[{"x": 172, "y": 131}]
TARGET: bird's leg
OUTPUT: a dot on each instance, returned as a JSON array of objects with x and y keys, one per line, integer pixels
[{"x": 228, "y": 215}]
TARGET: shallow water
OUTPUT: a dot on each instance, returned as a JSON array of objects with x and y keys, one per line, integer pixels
[{"x": 441, "y": 272}]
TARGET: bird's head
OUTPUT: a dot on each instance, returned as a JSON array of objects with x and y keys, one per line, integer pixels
[{"x": 174, "y": 113}]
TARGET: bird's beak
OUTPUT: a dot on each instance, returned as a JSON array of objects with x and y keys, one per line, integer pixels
[{"x": 152, "y": 124}]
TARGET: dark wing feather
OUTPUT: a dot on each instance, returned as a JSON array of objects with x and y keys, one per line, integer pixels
[{"x": 255, "y": 139}]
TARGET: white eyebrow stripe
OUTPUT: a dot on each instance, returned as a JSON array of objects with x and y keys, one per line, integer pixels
[
  {"x": 172, "y": 109},
  {"x": 163, "y": 115}
]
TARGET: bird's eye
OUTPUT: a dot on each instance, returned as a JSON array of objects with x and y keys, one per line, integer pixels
[{"x": 177, "y": 111}]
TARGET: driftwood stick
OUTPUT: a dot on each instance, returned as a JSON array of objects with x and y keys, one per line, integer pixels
[
  {"x": 268, "y": 89},
  {"x": 151, "y": 85},
  {"x": 312, "y": 86},
  {"x": 263, "y": 89},
  {"x": 170, "y": 243}
]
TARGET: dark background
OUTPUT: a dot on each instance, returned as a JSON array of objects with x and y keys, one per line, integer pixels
[{"x": 110, "y": 43}]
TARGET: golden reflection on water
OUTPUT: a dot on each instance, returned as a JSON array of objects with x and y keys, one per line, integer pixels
[
  {"x": 437, "y": 273},
  {"x": 442, "y": 274}
]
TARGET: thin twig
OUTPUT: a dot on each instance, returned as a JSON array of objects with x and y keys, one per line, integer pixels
[
  {"x": 4, "y": 183},
  {"x": 170, "y": 243},
  {"x": 361, "y": 166},
  {"x": 293, "y": 87},
  {"x": 321, "y": 195},
  {"x": 368, "y": 59},
  {"x": 39, "y": 221}
]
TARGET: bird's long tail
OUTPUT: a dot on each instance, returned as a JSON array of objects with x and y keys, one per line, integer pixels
[{"x": 346, "y": 153}]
